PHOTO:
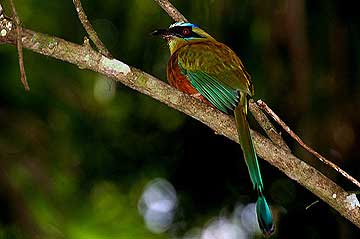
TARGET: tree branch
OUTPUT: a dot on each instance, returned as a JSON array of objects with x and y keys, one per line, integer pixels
[
  {"x": 86, "y": 58},
  {"x": 171, "y": 10},
  {"x": 267, "y": 126},
  {"x": 19, "y": 46},
  {"x": 268, "y": 110},
  {"x": 89, "y": 29}
]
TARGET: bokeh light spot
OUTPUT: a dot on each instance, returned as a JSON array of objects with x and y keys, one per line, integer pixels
[
  {"x": 157, "y": 205},
  {"x": 104, "y": 90},
  {"x": 223, "y": 228}
]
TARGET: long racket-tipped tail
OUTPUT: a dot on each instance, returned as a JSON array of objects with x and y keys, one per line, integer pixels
[{"x": 262, "y": 208}]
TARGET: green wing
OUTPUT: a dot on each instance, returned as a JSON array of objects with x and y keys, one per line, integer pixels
[
  {"x": 217, "y": 61},
  {"x": 221, "y": 96},
  {"x": 216, "y": 72}
]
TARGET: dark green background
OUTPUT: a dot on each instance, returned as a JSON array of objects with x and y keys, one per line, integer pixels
[{"x": 74, "y": 165}]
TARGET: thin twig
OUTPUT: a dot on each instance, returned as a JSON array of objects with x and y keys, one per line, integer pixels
[
  {"x": 171, "y": 10},
  {"x": 268, "y": 110},
  {"x": 90, "y": 30},
  {"x": 311, "y": 204},
  {"x": 267, "y": 126},
  {"x": 19, "y": 46}
]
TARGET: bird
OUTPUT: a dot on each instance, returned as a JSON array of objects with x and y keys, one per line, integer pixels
[{"x": 209, "y": 70}]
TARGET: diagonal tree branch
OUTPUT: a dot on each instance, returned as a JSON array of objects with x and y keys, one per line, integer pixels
[
  {"x": 269, "y": 111},
  {"x": 86, "y": 58},
  {"x": 267, "y": 126}
]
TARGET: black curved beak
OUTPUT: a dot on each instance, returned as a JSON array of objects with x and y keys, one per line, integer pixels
[{"x": 160, "y": 32}]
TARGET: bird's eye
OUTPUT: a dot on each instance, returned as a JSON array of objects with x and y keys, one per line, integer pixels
[{"x": 185, "y": 31}]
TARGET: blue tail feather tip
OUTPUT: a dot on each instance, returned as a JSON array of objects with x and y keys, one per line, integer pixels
[{"x": 264, "y": 216}]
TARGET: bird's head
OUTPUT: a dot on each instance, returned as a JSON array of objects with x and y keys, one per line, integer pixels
[{"x": 182, "y": 33}]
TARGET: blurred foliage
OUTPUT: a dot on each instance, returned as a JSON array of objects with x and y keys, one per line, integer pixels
[{"x": 77, "y": 150}]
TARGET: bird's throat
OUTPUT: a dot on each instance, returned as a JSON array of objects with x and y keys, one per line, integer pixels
[{"x": 176, "y": 43}]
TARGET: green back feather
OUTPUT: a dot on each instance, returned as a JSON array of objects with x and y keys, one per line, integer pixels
[{"x": 221, "y": 96}]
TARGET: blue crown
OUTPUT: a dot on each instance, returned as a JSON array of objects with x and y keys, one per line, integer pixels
[{"x": 183, "y": 24}]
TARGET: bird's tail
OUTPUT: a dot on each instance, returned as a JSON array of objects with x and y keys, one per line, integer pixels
[
  {"x": 264, "y": 216},
  {"x": 262, "y": 208}
]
